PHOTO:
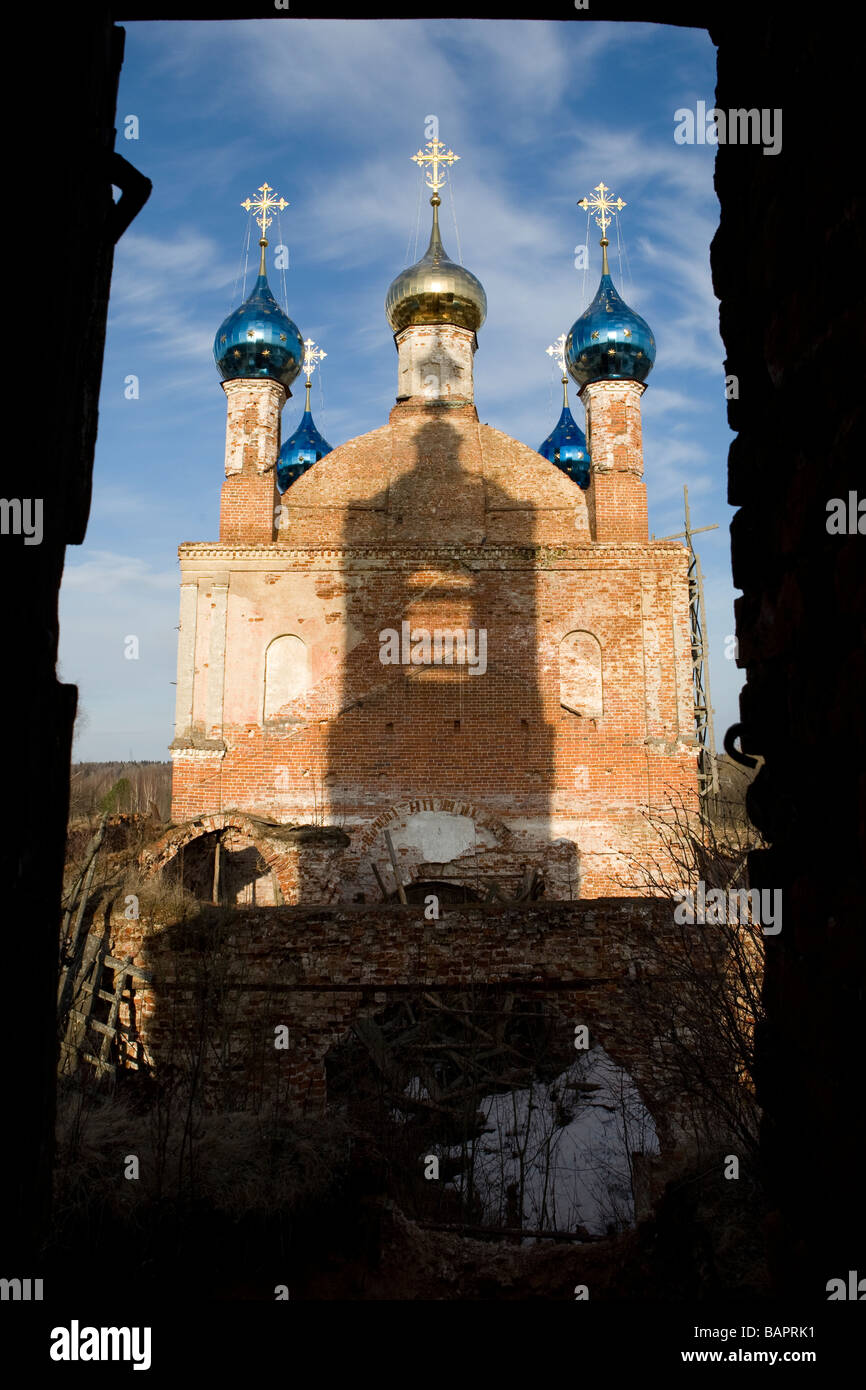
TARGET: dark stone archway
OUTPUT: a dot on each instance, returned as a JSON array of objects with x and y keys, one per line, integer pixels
[{"x": 268, "y": 864}]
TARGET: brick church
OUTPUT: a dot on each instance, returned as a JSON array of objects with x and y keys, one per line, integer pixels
[{"x": 431, "y": 657}]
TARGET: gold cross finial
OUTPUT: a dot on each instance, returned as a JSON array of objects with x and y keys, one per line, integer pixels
[
  {"x": 312, "y": 357},
  {"x": 262, "y": 206},
  {"x": 557, "y": 351},
  {"x": 435, "y": 156},
  {"x": 605, "y": 210}
]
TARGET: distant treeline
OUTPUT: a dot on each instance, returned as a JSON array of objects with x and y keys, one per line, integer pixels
[{"x": 118, "y": 787}]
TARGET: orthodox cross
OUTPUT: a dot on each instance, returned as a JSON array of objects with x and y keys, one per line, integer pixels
[
  {"x": 435, "y": 157},
  {"x": 312, "y": 357},
  {"x": 605, "y": 210},
  {"x": 262, "y": 206},
  {"x": 557, "y": 352}
]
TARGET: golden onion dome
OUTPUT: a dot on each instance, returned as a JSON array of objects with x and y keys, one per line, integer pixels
[{"x": 436, "y": 290}]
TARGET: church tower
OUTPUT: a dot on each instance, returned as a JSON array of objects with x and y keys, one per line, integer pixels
[
  {"x": 609, "y": 353},
  {"x": 435, "y": 309},
  {"x": 258, "y": 353}
]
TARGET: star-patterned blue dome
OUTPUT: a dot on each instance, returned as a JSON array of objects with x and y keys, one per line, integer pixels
[
  {"x": 609, "y": 342},
  {"x": 259, "y": 340},
  {"x": 566, "y": 446},
  {"x": 304, "y": 448}
]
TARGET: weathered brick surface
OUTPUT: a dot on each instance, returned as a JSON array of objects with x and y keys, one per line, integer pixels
[
  {"x": 617, "y": 495},
  {"x": 249, "y": 493},
  {"x": 435, "y": 362},
  {"x": 434, "y": 472},
  {"x": 307, "y": 864}
]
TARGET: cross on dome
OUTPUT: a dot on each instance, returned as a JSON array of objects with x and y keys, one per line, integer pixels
[
  {"x": 258, "y": 339},
  {"x": 609, "y": 341},
  {"x": 435, "y": 289},
  {"x": 435, "y": 157}
]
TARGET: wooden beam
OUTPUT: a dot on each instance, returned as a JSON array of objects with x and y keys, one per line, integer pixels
[
  {"x": 90, "y": 855},
  {"x": 215, "y": 896},
  {"x": 69, "y": 975},
  {"x": 114, "y": 964},
  {"x": 382, "y": 889},
  {"x": 400, "y": 889}
]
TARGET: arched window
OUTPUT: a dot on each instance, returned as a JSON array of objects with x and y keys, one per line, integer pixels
[
  {"x": 286, "y": 672},
  {"x": 580, "y": 674}
]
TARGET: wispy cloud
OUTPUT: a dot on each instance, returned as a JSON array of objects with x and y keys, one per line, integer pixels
[{"x": 116, "y": 575}]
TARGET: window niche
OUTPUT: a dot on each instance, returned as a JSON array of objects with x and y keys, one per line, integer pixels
[
  {"x": 287, "y": 672},
  {"x": 580, "y": 683}
]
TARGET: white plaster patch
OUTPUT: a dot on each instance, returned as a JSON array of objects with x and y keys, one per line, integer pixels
[{"x": 440, "y": 836}]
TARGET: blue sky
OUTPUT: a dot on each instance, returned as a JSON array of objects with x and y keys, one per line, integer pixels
[{"x": 329, "y": 113}]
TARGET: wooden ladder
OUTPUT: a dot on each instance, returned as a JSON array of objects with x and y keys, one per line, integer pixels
[{"x": 75, "y": 1044}]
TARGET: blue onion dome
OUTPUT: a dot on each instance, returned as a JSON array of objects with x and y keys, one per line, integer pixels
[
  {"x": 609, "y": 342},
  {"x": 259, "y": 339},
  {"x": 435, "y": 289},
  {"x": 305, "y": 447},
  {"x": 566, "y": 445}
]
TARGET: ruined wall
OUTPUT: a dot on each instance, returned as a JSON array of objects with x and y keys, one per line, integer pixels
[
  {"x": 314, "y": 971},
  {"x": 278, "y": 863}
]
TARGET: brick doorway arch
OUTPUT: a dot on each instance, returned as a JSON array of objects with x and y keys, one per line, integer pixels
[{"x": 224, "y": 857}]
